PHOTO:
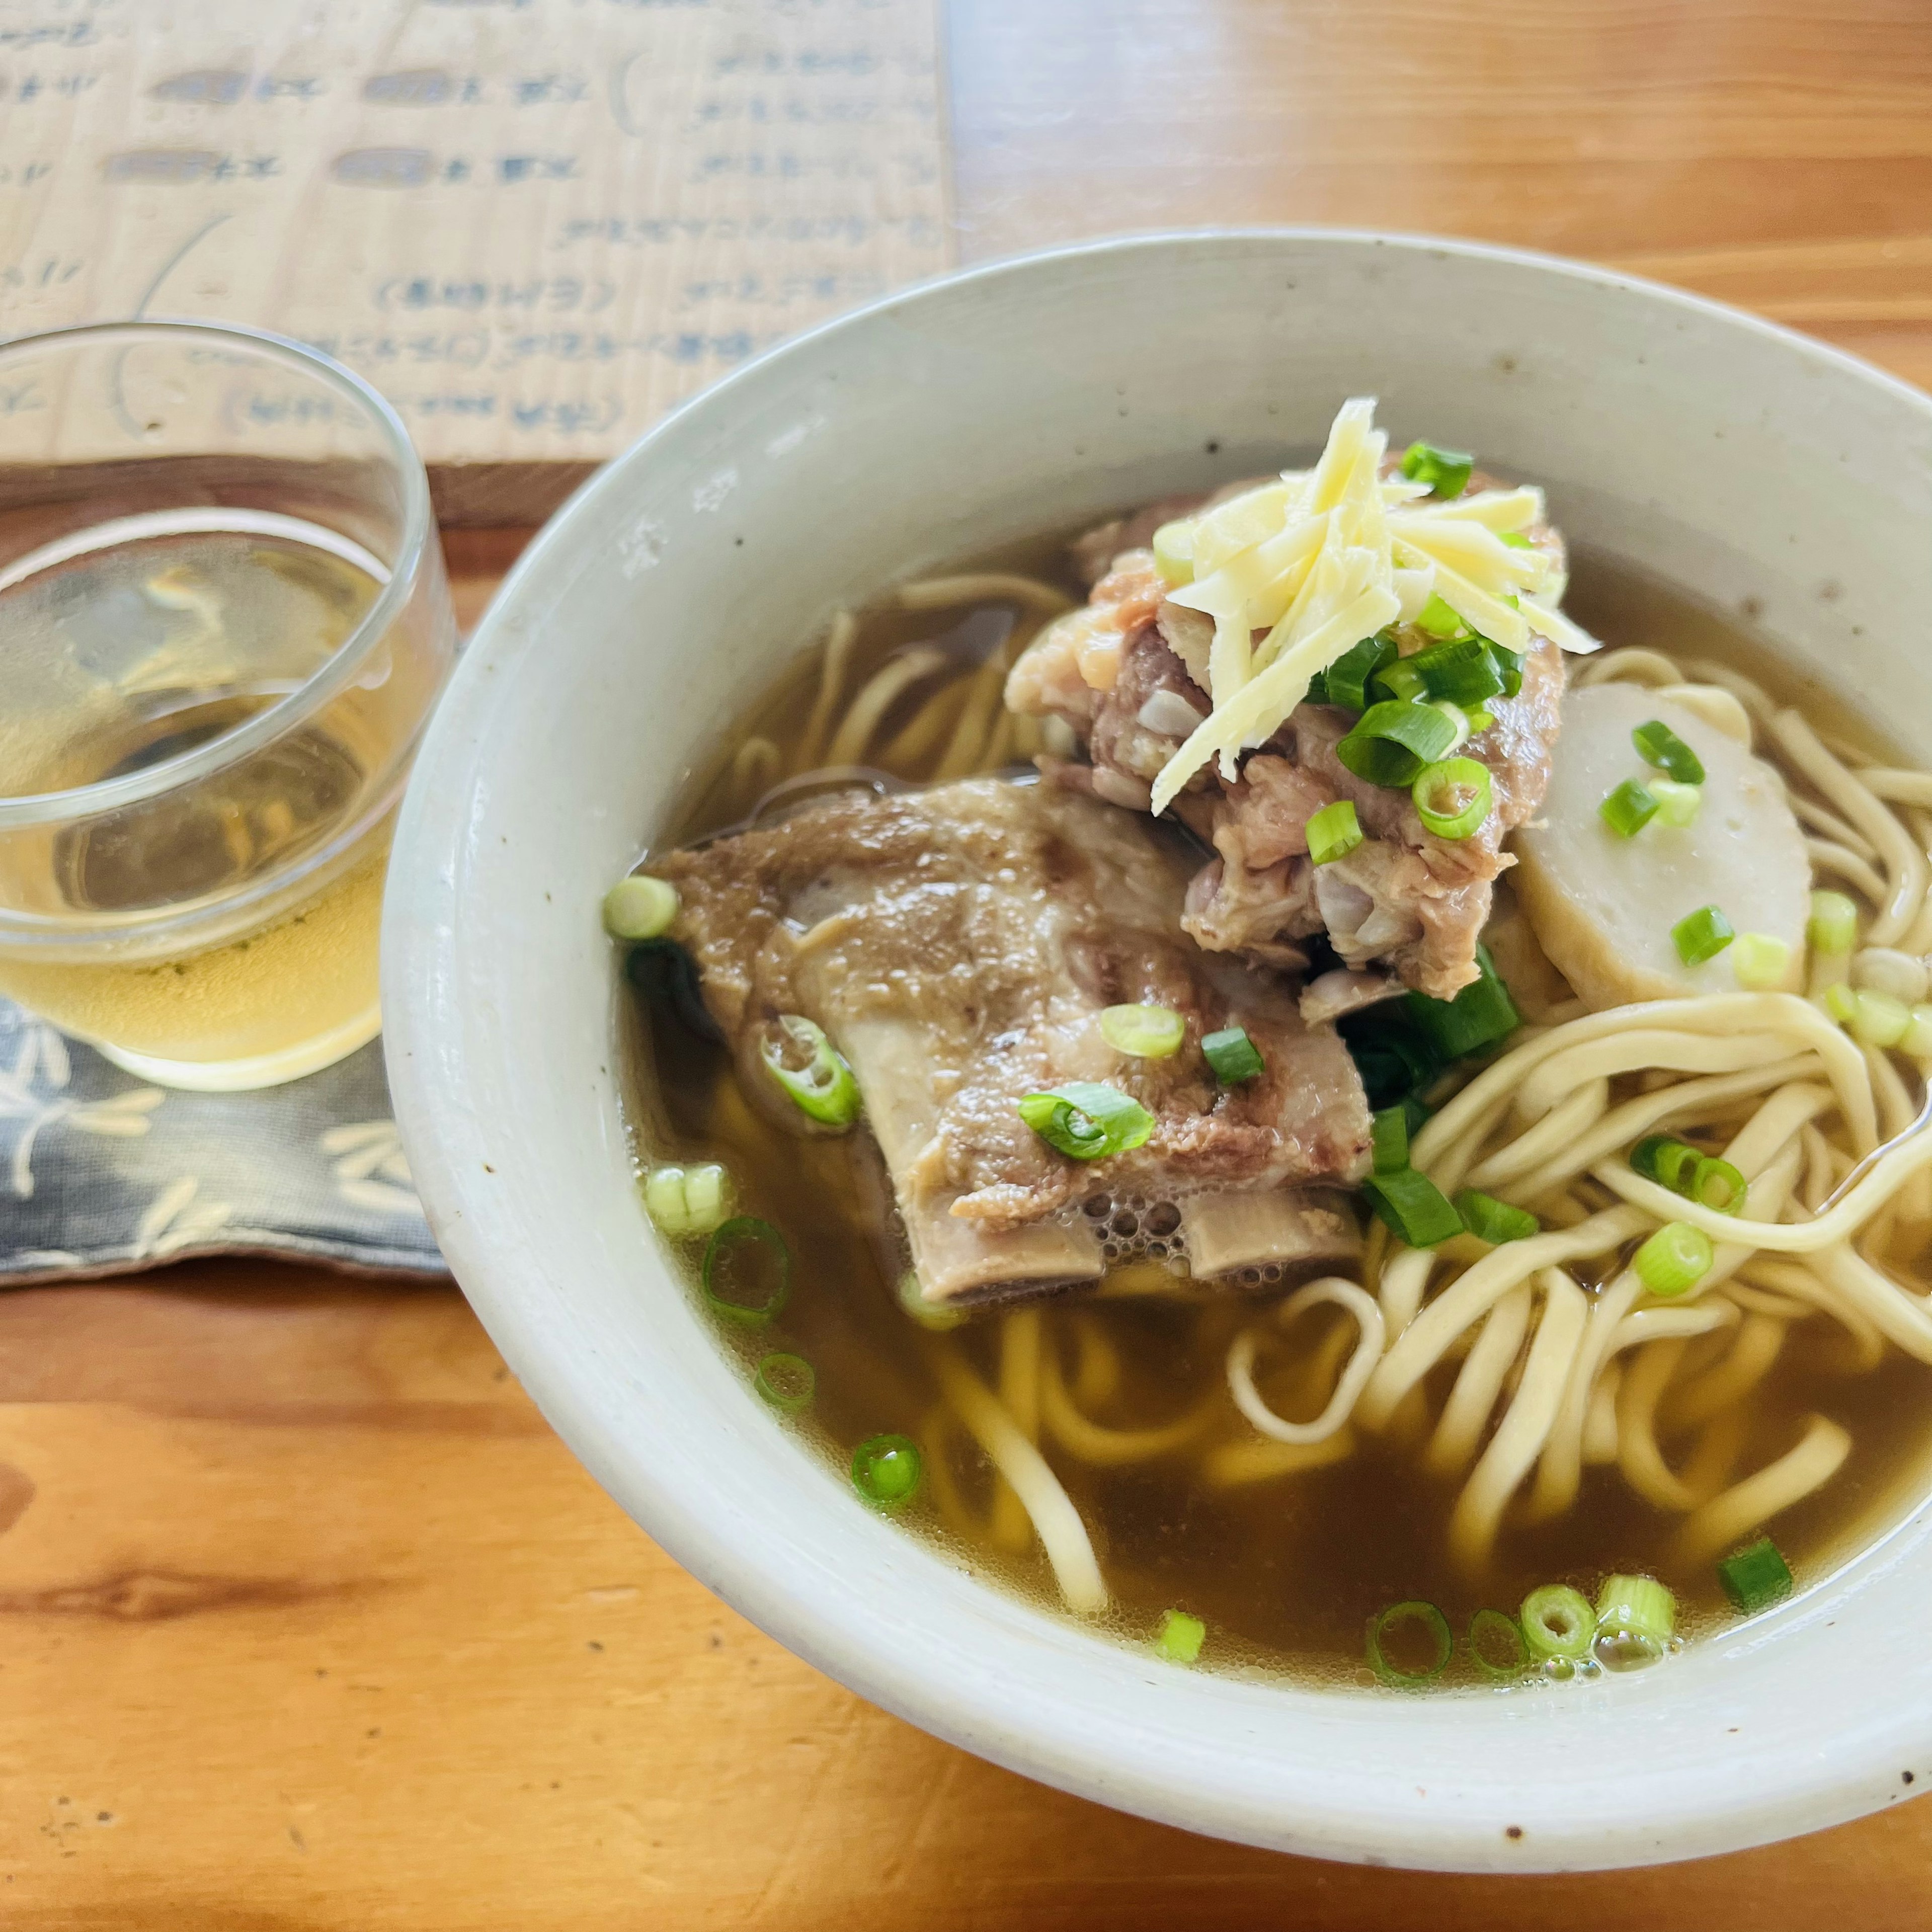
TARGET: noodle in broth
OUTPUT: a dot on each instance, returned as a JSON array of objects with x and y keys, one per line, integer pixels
[{"x": 1459, "y": 1425}]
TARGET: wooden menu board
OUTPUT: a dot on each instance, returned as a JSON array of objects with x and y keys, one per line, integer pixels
[{"x": 534, "y": 224}]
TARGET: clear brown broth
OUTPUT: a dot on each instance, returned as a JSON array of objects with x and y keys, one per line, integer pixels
[{"x": 1285, "y": 1573}]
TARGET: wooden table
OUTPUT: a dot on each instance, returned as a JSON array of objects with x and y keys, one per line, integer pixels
[{"x": 307, "y": 1620}]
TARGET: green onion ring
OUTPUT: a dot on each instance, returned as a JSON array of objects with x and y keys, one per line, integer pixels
[
  {"x": 1385, "y": 1621},
  {"x": 740, "y": 1230},
  {"x": 1559, "y": 1622},
  {"x": 1486, "y": 1624},
  {"x": 887, "y": 1470},
  {"x": 1086, "y": 1120},
  {"x": 823, "y": 1089},
  {"x": 785, "y": 1381},
  {"x": 1437, "y": 788}
]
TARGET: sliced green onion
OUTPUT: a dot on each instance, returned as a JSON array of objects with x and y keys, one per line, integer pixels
[
  {"x": 1174, "y": 551},
  {"x": 1438, "y": 619},
  {"x": 1087, "y": 1121},
  {"x": 1393, "y": 741},
  {"x": 1702, "y": 935},
  {"x": 1234, "y": 1056},
  {"x": 1333, "y": 832},
  {"x": 1346, "y": 680},
  {"x": 1628, "y": 809},
  {"x": 1756, "y": 1577},
  {"x": 886, "y": 1470},
  {"x": 1674, "y": 1260},
  {"x": 1509, "y": 667},
  {"x": 1480, "y": 721},
  {"x": 932, "y": 1315},
  {"x": 1146, "y": 1032},
  {"x": 1841, "y": 1001},
  {"x": 1676, "y": 804},
  {"x": 1459, "y": 721},
  {"x": 1761, "y": 963},
  {"x": 1462, "y": 669},
  {"x": 1637, "y": 1607},
  {"x": 1445, "y": 471},
  {"x": 1453, "y": 798},
  {"x": 1388, "y": 1140},
  {"x": 823, "y": 1089},
  {"x": 684, "y": 1201},
  {"x": 1833, "y": 927},
  {"x": 1917, "y": 1043},
  {"x": 746, "y": 1273},
  {"x": 1494, "y": 1221},
  {"x": 1880, "y": 1021},
  {"x": 1180, "y": 1637},
  {"x": 666, "y": 974},
  {"x": 785, "y": 1381},
  {"x": 1715, "y": 1184},
  {"x": 1657, "y": 745},
  {"x": 1516, "y": 540},
  {"x": 1317, "y": 692},
  {"x": 1434, "y": 1627},
  {"x": 1488, "y": 1628},
  {"x": 1481, "y": 1015},
  {"x": 1665, "y": 1159},
  {"x": 640, "y": 907},
  {"x": 1414, "y": 1207},
  {"x": 1558, "y": 1622},
  {"x": 1399, "y": 682}
]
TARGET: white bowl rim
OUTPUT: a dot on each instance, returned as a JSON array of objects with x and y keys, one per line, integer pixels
[{"x": 446, "y": 1151}]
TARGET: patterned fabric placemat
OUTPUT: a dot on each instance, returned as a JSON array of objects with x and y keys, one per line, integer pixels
[{"x": 100, "y": 1172}]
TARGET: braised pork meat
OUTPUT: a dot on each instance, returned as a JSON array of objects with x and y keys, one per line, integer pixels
[{"x": 958, "y": 946}]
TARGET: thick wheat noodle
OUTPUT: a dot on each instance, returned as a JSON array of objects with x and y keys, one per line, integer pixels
[
  {"x": 1825, "y": 823},
  {"x": 1748, "y": 691},
  {"x": 937, "y": 1432},
  {"x": 1449, "y": 1165},
  {"x": 1361, "y": 1306},
  {"x": 1919, "y": 939},
  {"x": 754, "y": 766},
  {"x": 919, "y": 738},
  {"x": 1633, "y": 664},
  {"x": 1642, "y": 1048},
  {"x": 963, "y": 750},
  {"x": 1474, "y": 1292},
  {"x": 1898, "y": 1112},
  {"x": 1677, "y": 1323},
  {"x": 1720, "y": 709},
  {"x": 1256, "y": 1460},
  {"x": 1883, "y": 1179},
  {"x": 1560, "y": 1473},
  {"x": 1782, "y": 1013},
  {"x": 832, "y": 664},
  {"x": 1755, "y": 1299},
  {"x": 1709, "y": 1531},
  {"x": 1843, "y": 862},
  {"x": 1478, "y": 1383},
  {"x": 997, "y": 752},
  {"x": 1525, "y": 1425},
  {"x": 1105, "y": 1448},
  {"x": 1405, "y": 1281},
  {"x": 1758, "y": 1342},
  {"x": 1069, "y": 1549},
  {"x": 1639, "y": 1455},
  {"x": 876, "y": 696},
  {"x": 1789, "y": 1282},
  {"x": 1096, "y": 1374},
  {"x": 1599, "y": 1425},
  {"x": 1897, "y": 788},
  {"x": 1902, "y": 1317},
  {"x": 1906, "y": 868},
  {"x": 1693, "y": 1100},
  {"x": 1546, "y": 1138},
  {"x": 1020, "y": 1349},
  {"x": 983, "y": 586}
]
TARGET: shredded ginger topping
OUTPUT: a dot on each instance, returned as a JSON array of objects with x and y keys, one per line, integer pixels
[{"x": 1332, "y": 555}]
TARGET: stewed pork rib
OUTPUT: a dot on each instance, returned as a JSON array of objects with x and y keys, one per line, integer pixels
[{"x": 958, "y": 946}]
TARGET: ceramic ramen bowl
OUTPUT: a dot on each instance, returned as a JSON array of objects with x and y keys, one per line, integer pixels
[{"x": 1761, "y": 471}]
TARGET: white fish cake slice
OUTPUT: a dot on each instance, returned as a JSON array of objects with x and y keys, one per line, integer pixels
[{"x": 1603, "y": 906}]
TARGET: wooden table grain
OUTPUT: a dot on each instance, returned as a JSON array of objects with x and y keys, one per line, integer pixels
[{"x": 307, "y": 1621}]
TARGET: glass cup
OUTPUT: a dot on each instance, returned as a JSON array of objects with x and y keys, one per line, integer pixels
[{"x": 224, "y": 620}]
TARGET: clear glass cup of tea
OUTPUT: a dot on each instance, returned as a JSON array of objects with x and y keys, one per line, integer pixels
[{"x": 224, "y": 620}]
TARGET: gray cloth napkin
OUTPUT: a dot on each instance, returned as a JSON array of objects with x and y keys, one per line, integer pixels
[{"x": 100, "y": 1172}]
